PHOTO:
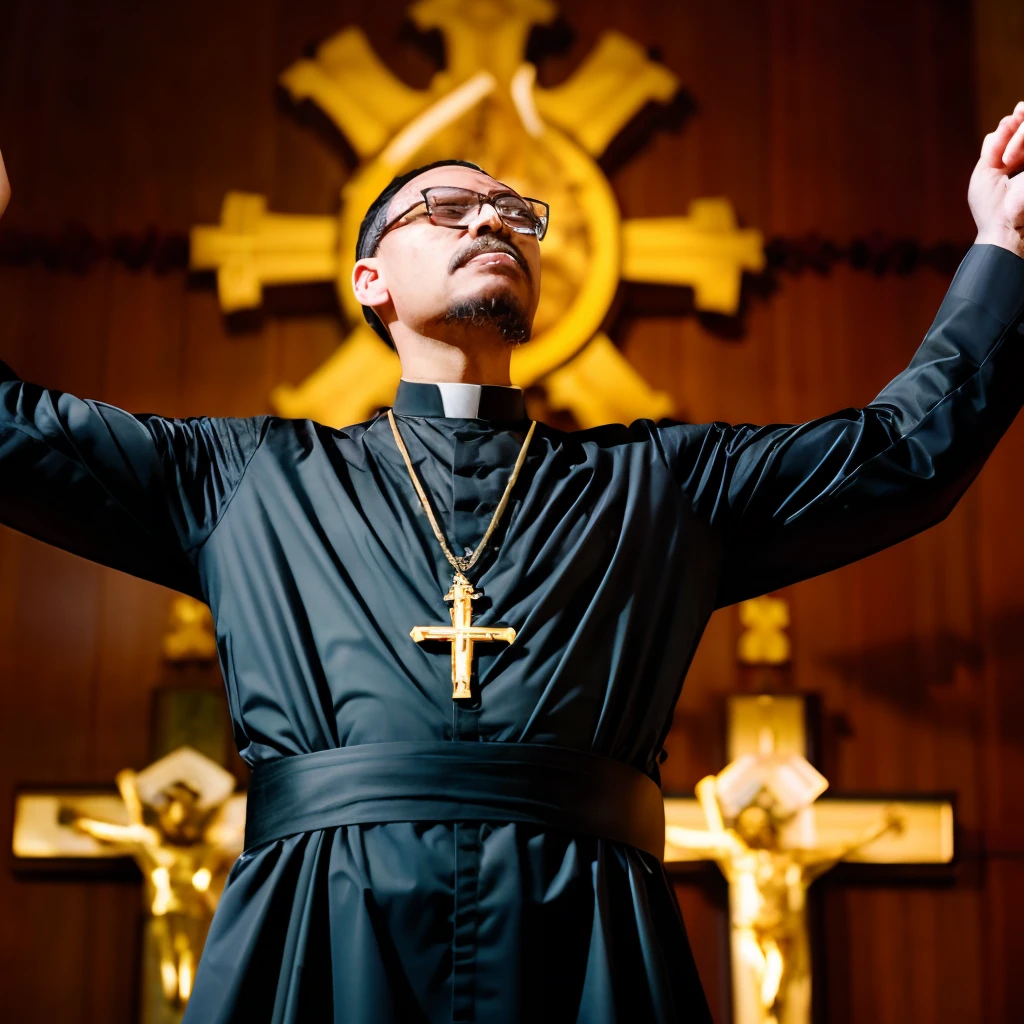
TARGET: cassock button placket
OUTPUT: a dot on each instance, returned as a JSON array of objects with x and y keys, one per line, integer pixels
[
  {"x": 478, "y": 479},
  {"x": 481, "y": 452},
  {"x": 479, "y": 475}
]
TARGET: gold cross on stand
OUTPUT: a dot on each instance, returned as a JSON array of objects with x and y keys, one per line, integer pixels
[
  {"x": 761, "y": 821},
  {"x": 462, "y": 634}
]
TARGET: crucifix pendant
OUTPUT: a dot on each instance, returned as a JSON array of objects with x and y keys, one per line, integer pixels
[{"x": 462, "y": 634}]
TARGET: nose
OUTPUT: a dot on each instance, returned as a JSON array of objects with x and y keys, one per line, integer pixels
[{"x": 485, "y": 222}]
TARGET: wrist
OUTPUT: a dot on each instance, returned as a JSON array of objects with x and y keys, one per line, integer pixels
[{"x": 1006, "y": 238}]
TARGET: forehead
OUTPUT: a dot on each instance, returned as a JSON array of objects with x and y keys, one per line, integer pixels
[{"x": 461, "y": 177}]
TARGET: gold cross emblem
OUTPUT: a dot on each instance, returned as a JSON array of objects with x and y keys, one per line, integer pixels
[
  {"x": 462, "y": 634},
  {"x": 487, "y": 106}
]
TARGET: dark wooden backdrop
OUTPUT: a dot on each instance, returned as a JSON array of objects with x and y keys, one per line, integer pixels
[{"x": 839, "y": 118}]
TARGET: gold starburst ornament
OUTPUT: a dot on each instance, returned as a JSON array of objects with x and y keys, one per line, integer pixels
[{"x": 486, "y": 106}]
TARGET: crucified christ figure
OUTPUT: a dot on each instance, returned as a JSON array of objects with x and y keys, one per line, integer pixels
[
  {"x": 768, "y": 892},
  {"x": 182, "y": 869}
]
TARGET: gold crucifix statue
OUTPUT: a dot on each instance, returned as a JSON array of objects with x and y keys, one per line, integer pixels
[
  {"x": 769, "y": 877},
  {"x": 761, "y": 820},
  {"x": 462, "y": 634},
  {"x": 183, "y": 824}
]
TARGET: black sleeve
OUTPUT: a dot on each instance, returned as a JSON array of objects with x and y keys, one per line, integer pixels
[
  {"x": 137, "y": 493},
  {"x": 792, "y": 501}
]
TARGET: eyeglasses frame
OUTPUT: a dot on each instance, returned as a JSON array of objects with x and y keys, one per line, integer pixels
[{"x": 485, "y": 200}]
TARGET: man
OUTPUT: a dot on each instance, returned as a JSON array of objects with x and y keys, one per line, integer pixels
[{"x": 418, "y": 856}]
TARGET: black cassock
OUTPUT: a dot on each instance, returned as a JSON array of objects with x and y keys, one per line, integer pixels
[{"x": 311, "y": 548}]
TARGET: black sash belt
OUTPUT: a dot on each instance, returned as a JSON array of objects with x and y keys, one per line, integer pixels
[{"x": 374, "y": 783}]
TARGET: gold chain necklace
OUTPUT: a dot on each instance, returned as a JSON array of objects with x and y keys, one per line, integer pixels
[{"x": 462, "y": 634}]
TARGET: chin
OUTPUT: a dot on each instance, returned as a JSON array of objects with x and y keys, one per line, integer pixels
[{"x": 500, "y": 311}]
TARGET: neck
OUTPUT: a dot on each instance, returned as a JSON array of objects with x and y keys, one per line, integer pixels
[{"x": 435, "y": 361}]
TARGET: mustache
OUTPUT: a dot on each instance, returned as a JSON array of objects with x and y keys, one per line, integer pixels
[{"x": 487, "y": 243}]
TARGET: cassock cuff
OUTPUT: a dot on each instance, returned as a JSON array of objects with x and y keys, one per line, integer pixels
[{"x": 992, "y": 277}]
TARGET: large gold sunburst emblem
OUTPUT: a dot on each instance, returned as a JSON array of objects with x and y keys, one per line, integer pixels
[{"x": 485, "y": 106}]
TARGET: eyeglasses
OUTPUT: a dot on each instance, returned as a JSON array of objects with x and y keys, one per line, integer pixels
[{"x": 450, "y": 207}]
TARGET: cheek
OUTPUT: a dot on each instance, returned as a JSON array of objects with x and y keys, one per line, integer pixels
[
  {"x": 417, "y": 276},
  {"x": 533, "y": 258},
  {"x": 535, "y": 280}
]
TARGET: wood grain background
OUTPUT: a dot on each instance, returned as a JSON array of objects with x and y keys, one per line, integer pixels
[{"x": 841, "y": 118}]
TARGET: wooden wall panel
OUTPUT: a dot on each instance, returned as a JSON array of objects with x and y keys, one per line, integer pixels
[
  {"x": 998, "y": 46},
  {"x": 842, "y": 119}
]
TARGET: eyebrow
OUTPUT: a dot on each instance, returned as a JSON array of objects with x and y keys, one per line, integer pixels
[{"x": 501, "y": 190}]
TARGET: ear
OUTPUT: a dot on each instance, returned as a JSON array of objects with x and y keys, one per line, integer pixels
[{"x": 368, "y": 283}]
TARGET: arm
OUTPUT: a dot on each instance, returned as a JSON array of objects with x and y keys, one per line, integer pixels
[
  {"x": 818, "y": 862},
  {"x": 789, "y": 502},
  {"x": 707, "y": 797},
  {"x": 129, "y": 791},
  {"x": 107, "y": 832},
  {"x": 137, "y": 493},
  {"x": 718, "y": 845}
]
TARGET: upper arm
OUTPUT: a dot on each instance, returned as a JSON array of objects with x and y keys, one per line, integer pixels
[{"x": 139, "y": 493}]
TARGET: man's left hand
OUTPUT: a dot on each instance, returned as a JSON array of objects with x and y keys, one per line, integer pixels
[
  {"x": 5, "y": 186},
  {"x": 996, "y": 192}
]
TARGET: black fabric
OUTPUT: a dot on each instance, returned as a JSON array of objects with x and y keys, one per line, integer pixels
[
  {"x": 376, "y": 219},
  {"x": 544, "y": 786},
  {"x": 316, "y": 559},
  {"x": 498, "y": 404}
]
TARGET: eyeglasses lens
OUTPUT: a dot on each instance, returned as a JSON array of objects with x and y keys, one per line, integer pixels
[{"x": 452, "y": 207}]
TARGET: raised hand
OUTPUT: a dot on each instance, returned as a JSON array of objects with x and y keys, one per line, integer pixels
[
  {"x": 5, "y": 186},
  {"x": 996, "y": 195}
]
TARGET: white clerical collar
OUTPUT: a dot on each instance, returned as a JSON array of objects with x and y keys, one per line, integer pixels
[{"x": 459, "y": 401}]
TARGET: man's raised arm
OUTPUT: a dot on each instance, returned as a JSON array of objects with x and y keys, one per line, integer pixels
[
  {"x": 138, "y": 493},
  {"x": 789, "y": 502}
]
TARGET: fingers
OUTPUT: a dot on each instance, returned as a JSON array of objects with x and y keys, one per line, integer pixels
[
  {"x": 5, "y": 185},
  {"x": 998, "y": 143},
  {"x": 1013, "y": 155}
]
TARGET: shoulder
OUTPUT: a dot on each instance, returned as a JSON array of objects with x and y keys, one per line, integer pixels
[
  {"x": 305, "y": 436},
  {"x": 215, "y": 439},
  {"x": 284, "y": 426},
  {"x": 642, "y": 434}
]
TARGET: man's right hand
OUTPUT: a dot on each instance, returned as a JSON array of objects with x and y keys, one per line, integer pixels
[{"x": 5, "y": 186}]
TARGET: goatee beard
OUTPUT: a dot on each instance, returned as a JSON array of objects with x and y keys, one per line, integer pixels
[{"x": 501, "y": 313}]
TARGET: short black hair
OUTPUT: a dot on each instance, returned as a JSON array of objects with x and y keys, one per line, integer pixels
[{"x": 377, "y": 217}]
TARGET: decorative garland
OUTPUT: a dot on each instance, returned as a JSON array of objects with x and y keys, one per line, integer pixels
[{"x": 75, "y": 248}]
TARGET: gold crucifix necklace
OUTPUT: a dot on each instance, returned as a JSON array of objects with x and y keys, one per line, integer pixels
[{"x": 461, "y": 634}]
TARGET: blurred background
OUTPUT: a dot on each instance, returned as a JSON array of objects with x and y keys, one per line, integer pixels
[{"x": 842, "y": 136}]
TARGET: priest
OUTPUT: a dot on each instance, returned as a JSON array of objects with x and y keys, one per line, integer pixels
[{"x": 453, "y": 639}]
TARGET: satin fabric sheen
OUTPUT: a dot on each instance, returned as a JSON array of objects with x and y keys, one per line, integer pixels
[
  {"x": 531, "y": 783},
  {"x": 313, "y": 553}
]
